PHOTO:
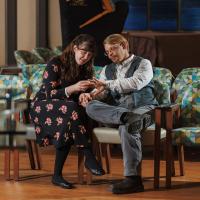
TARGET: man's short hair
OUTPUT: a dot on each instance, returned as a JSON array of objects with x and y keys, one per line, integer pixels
[{"x": 115, "y": 39}]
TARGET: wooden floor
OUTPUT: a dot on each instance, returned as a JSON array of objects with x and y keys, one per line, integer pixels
[{"x": 39, "y": 186}]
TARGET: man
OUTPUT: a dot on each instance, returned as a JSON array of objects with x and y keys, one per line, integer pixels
[{"x": 127, "y": 99}]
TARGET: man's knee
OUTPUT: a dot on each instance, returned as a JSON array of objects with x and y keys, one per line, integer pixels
[{"x": 91, "y": 107}]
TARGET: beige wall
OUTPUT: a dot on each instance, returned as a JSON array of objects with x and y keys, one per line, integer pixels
[
  {"x": 54, "y": 23},
  {"x": 26, "y": 24},
  {"x": 2, "y": 32}
]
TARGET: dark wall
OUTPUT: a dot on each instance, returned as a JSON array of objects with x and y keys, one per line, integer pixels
[{"x": 174, "y": 51}]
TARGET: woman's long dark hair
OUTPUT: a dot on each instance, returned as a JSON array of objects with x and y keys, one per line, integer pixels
[{"x": 70, "y": 70}]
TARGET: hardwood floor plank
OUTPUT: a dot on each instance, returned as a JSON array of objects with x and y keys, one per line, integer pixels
[{"x": 39, "y": 186}]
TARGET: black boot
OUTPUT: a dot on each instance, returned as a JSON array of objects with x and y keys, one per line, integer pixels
[
  {"x": 91, "y": 162},
  {"x": 137, "y": 122},
  {"x": 130, "y": 184},
  {"x": 57, "y": 179}
]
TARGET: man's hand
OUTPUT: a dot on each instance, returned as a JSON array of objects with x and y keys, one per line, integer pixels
[
  {"x": 84, "y": 98},
  {"x": 99, "y": 85}
]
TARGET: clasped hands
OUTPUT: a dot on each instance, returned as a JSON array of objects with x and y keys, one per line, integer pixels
[{"x": 99, "y": 86}]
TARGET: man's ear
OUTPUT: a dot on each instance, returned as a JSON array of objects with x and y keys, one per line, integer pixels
[{"x": 124, "y": 45}]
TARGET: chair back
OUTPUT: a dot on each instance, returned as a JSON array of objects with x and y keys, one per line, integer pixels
[
  {"x": 43, "y": 53},
  {"x": 187, "y": 88},
  {"x": 26, "y": 57},
  {"x": 162, "y": 78}
]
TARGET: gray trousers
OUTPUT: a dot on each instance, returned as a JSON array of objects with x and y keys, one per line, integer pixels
[{"x": 130, "y": 143}]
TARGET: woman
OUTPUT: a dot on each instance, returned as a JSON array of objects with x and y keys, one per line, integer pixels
[{"x": 55, "y": 111}]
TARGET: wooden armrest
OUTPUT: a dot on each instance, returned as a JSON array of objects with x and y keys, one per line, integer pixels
[{"x": 166, "y": 107}]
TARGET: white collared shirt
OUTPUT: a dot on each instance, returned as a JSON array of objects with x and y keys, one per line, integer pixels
[{"x": 141, "y": 77}]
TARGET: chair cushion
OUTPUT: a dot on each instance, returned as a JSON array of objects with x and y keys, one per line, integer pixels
[
  {"x": 107, "y": 135},
  {"x": 188, "y": 136},
  {"x": 13, "y": 83}
]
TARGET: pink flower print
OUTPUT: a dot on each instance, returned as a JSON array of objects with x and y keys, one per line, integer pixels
[
  {"x": 53, "y": 92},
  {"x": 73, "y": 135},
  {"x": 59, "y": 120},
  {"x": 74, "y": 115},
  {"x": 36, "y": 120},
  {"x": 63, "y": 108},
  {"x": 37, "y": 109},
  {"x": 57, "y": 135},
  {"x": 53, "y": 84},
  {"x": 66, "y": 136},
  {"x": 49, "y": 107},
  {"x": 45, "y": 141},
  {"x": 48, "y": 121},
  {"x": 37, "y": 130},
  {"x": 46, "y": 74},
  {"x": 82, "y": 129},
  {"x": 55, "y": 68}
]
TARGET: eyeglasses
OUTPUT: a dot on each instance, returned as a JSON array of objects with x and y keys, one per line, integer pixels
[
  {"x": 112, "y": 49},
  {"x": 84, "y": 52}
]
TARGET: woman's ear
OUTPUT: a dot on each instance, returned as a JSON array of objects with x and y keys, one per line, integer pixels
[{"x": 75, "y": 47}]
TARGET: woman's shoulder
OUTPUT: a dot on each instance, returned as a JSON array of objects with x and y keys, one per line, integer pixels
[{"x": 55, "y": 61}]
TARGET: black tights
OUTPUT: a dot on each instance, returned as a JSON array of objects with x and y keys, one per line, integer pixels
[{"x": 61, "y": 156}]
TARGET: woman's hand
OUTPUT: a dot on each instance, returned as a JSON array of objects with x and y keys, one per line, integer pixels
[
  {"x": 80, "y": 86},
  {"x": 84, "y": 98}
]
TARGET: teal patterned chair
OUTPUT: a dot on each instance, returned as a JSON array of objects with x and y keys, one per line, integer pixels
[
  {"x": 32, "y": 76},
  {"x": 44, "y": 53},
  {"x": 57, "y": 50},
  {"x": 183, "y": 117},
  {"x": 27, "y": 57}
]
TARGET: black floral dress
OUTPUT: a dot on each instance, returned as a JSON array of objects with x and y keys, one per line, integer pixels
[{"x": 58, "y": 120}]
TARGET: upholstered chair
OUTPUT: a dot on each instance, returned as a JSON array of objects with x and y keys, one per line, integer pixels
[
  {"x": 27, "y": 57},
  {"x": 44, "y": 53},
  {"x": 183, "y": 117}
]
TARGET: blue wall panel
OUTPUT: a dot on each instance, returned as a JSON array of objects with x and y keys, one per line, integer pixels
[{"x": 137, "y": 17}]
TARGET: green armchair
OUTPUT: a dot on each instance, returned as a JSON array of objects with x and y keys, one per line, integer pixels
[
  {"x": 44, "y": 53},
  {"x": 182, "y": 119},
  {"x": 26, "y": 57}
]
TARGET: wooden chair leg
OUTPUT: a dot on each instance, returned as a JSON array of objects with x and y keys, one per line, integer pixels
[
  {"x": 16, "y": 164},
  {"x": 169, "y": 116},
  {"x": 80, "y": 167},
  {"x": 181, "y": 159},
  {"x": 38, "y": 160},
  {"x": 7, "y": 164},
  {"x": 89, "y": 177},
  {"x": 108, "y": 158},
  {"x": 30, "y": 153},
  {"x": 158, "y": 121},
  {"x": 173, "y": 161}
]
